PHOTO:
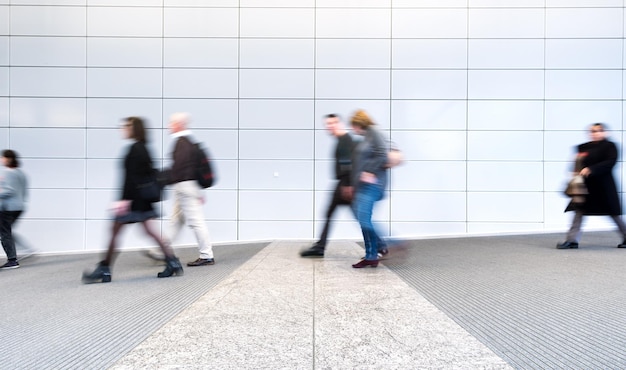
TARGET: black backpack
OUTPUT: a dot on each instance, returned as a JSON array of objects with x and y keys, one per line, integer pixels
[{"x": 204, "y": 169}]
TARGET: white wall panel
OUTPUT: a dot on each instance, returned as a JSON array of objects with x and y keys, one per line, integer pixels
[
  {"x": 274, "y": 83},
  {"x": 48, "y": 21},
  {"x": 124, "y": 82},
  {"x": 277, "y": 53},
  {"x": 125, "y": 21},
  {"x": 325, "y": 174},
  {"x": 342, "y": 213},
  {"x": 566, "y": 23},
  {"x": 107, "y": 143},
  {"x": 52, "y": 82},
  {"x": 505, "y": 207},
  {"x": 124, "y": 52},
  {"x": 584, "y": 53},
  {"x": 507, "y": 4},
  {"x": 340, "y": 230},
  {"x": 124, "y": 2},
  {"x": 506, "y": 23},
  {"x": 560, "y": 145},
  {"x": 4, "y": 20},
  {"x": 258, "y": 144},
  {"x": 509, "y": 53},
  {"x": 428, "y": 84},
  {"x": 270, "y": 230},
  {"x": 200, "y": 83},
  {"x": 505, "y": 176},
  {"x": 577, "y": 115},
  {"x": 103, "y": 173},
  {"x": 505, "y": 115},
  {"x": 353, "y": 53},
  {"x": 583, "y": 3},
  {"x": 262, "y": 206},
  {"x": 352, "y": 3},
  {"x": 353, "y": 23},
  {"x": 426, "y": 176},
  {"x": 275, "y": 175},
  {"x": 4, "y": 81},
  {"x": 219, "y": 204},
  {"x": 200, "y": 22},
  {"x": 39, "y": 233},
  {"x": 287, "y": 22},
  {"x": 422, "y": 206},
  {"x": 432, "y": 145},
  {"x": 4, "y": 112},
  {"x": 48, "y": 51},
  {"x": 49, "y": 142},
  {"x": 55, "y": 173},
  {"x": 360, "y": 84},
  {"x": 583, "y": 84},
  {"x": 108, "y": 113},
  {"x": 58, "y": 204},
  {"x": 505, "y": 146},
  {"x": 278, "y": 114},
  {"x": 556, "y": 175},
  {"x": 277, "y": 3},
  {"x": 48, "y": 112},
  {"x": 506, "y": 84},
  {"x": 4, "y": 51},
  {"x": 201, "y": 3},
  {"x": 200, "y": 52},
  {"x": 99, "y": 203},
  {"x": 221, "y": 143},
  {"x": 429, "y": 23},
  {"x": 205, "y": 113},
  {"x": 437, "y": 54},
  {"x": 428, "y": 115},
  {"x": 430, "y": 3}
]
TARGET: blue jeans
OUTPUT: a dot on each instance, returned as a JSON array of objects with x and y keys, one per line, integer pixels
[{"x": 365, "y": 198}]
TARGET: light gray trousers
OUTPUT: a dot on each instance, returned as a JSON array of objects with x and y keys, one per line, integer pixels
[{"x": 574, "y": 232}]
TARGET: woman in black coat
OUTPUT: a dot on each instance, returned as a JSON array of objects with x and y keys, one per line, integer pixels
[
  {"x": 132, "y": 207},
  {"x": 597, "y": 159}
]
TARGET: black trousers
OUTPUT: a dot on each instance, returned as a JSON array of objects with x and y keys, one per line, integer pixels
[
  {"x": 7, "y": 219},
  {"x": 336, "y": 201}
]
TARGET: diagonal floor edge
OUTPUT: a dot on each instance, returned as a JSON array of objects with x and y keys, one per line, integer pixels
[{"x": 282, "y": 311}]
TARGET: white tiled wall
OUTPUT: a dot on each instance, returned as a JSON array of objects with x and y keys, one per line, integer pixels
[{"x": 485, "y": 97}]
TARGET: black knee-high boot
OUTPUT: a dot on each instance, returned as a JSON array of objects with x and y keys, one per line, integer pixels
[
  {"x": 173, "y": 267},
  {"x": 102, "y": 273}
]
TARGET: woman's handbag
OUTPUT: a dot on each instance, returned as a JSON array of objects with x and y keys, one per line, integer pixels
[
  {"x": 149, "y": 189},
  {"x": 576, "y": 189}
]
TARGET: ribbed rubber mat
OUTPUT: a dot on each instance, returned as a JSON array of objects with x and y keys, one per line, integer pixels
[
  {"x": 535, "y": 306},
  {"x": 51, "y": 320}
]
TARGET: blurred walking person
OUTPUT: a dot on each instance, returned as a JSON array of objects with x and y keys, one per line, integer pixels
[
  {"x": 13, "y": 195},
  {"x": 595, "y": 161},
  {"x": 133, "y": 206}
]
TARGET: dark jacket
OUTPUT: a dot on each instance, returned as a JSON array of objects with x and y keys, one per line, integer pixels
[
  {"x": 183, "y": 161},
  {"x": 600, "y": 157},
  {"x": 137, "y": 166},
  {"x": 343, "y": 158}
]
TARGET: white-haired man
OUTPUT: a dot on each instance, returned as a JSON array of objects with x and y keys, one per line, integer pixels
[{"x": 188, "y": 198}]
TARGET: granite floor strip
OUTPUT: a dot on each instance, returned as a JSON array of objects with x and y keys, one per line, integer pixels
[{"x": 280, "y": 311}]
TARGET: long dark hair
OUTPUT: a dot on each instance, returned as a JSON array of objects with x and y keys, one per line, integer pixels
[
  {"x": 139, "y": 128},
  {"x": 11, "y": 155}
]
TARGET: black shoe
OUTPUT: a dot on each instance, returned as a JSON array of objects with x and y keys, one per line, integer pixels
[
  {"x": 567, "y": 245},
  {"x": 312, "y": 252},
  {"x": 623, "y": 245},
  {"x": 202, "y": 262},
  {"x": 11, "y": 264},
  {"x": 173, "y": 267},
  {"x": 102, "y": 274}
]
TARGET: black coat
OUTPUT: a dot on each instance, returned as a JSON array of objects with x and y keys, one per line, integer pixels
[
  {"x": 137, "y": 166},
  {"x": 600, "y": 157}
]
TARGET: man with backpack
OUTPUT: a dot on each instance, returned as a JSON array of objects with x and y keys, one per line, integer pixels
[{"x": 188, "y": 198}]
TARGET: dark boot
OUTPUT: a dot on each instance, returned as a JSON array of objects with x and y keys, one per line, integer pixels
[
  {"x": 173, "y": 267},
  {"x": 102, "y": 273}
]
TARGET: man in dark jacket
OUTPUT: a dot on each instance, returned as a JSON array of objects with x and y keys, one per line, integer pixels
[
  {"x": 597, "y": 159},
  {"x": 343, "y": 170}
]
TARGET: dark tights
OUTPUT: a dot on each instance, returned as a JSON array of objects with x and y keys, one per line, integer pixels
[{"x": 117, "y": 227}]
